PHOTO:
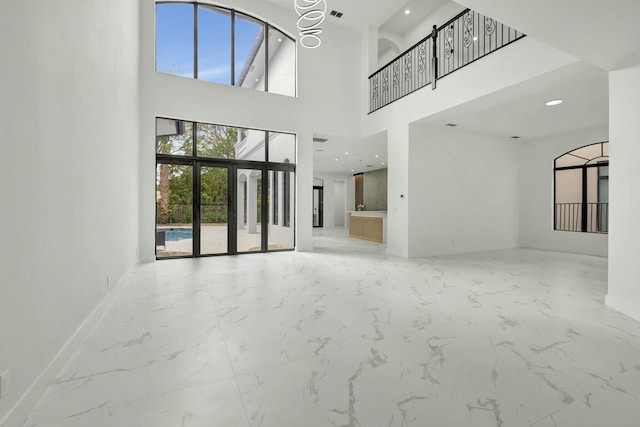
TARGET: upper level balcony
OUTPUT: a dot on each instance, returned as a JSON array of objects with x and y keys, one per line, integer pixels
[{"x": 464, "y": 39}]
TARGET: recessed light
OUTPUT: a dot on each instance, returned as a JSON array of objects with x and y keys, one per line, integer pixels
[
  {"x": 279, "y": 40},
  {"x": 335, "y": 160},
  {"x": 351, "y": 170},
  {"x": 257, "y": 80},
  {"x": 382, "y": 163},
  {"x": 554, "y": 102},
  {"x": 377, "y": 156},
  {"x": 407, "y": 11},
  {"x": 346, "y": 152}
]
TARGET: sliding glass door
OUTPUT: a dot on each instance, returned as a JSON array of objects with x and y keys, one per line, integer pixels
[
  {"x": 222, "y": 190},
  {"x": 174, "y": 210},
  {"x": 249, "y": 200},
  {"x": 214, "y": 210}
]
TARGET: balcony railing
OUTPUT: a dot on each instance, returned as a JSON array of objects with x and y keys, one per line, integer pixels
[
  {"x": 464, "y": 39},
  {"x": 585, "y": 217}
]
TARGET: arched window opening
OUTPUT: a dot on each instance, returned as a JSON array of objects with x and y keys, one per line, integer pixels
[
  {"x": 581, "y": 189},
  {"x": 220, "y": 45}
]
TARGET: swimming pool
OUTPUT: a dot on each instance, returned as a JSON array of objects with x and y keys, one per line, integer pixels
[{"x": 175, "y": 234}]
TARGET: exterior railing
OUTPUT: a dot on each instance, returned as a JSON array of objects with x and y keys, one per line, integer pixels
[
  {"x": 464, "y": 39},
  {"x": 183, "y": 214},
  {"x": 584, "y": 217}
]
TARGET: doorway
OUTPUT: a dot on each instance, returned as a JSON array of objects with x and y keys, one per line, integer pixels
[{"x": 318, "y": 199}]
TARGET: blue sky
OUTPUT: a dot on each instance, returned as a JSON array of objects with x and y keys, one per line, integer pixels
[{"x": 174, "y": 41}]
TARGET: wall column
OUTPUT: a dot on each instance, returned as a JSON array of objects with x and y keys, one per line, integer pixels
[
  {"x": 304, "y": 192},
  {"x": 624, "y": 198},
  {"x": 398, "y": 184}
]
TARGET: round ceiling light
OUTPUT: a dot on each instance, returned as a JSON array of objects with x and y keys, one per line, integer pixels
[{"x": 407, "y": 11}]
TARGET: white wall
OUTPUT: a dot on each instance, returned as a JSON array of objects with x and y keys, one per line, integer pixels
[
  {"x": 374, "y": 190},
  {"x": 328, "y": 76},
  {"x": 336, "y": 186},
  {"x": 536, "y": 194},
  {"x": 441, "y": 15},
  {"x": 463, "y": 192},
  {"x": 340, "y": 202},
  {"x": 507, "y": 67},
  {"x": 68, "y": 174},
  {"x": 624, "y": 197}
]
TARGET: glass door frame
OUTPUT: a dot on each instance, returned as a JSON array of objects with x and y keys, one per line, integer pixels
[
  {"x": 232, "y": 165},
  {"x": 232, "y": 210},
  {"x": 320, "y": 205}
]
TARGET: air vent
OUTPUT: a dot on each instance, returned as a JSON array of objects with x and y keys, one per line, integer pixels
[
  {"x": 336, "y": 14},
  {"x": 515, "y": 137},
  {"x": 322, "y": 140},
  {"x": 451, "y": 125},
  {"x": 369, "y": 166}
]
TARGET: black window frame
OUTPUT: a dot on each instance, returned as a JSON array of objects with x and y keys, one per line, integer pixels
[
  {"x": 197, "y": 161},
  {"x": 592, "y": 217},
  {"x": 274, "y": 198},
  {"x": 265, "y": 27}
]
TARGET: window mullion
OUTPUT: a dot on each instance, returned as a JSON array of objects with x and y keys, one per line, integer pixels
[
  {"x": 195, "y": 40},
  {"x": 233, "y": 47}
]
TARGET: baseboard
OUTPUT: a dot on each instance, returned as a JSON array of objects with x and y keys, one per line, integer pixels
[
  {"x": 623, "y": 306},
  {"x": 19, "y": 412}
]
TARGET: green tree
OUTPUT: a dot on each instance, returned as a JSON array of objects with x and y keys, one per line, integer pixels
[
  {"x": 175, "y": 183},
  {"x": 178, "y": 144}
]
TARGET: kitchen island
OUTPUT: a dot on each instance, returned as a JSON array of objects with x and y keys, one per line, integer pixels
[{"x": 368, "y": 225}]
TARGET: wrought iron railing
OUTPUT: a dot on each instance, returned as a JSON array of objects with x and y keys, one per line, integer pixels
[
  {"x": 585, "y": 217},
  {"x": 464, "y": 39}
]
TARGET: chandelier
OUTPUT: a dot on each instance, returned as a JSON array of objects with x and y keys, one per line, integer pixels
[{"x": 311, "y": 14}]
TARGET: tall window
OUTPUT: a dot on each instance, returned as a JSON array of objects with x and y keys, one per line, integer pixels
[
  {"x": 219, "y": 45},
  {"x": 581, "y": 189}
]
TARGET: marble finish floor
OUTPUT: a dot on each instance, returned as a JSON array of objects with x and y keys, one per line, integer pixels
[{"x": 350, "y": 337}]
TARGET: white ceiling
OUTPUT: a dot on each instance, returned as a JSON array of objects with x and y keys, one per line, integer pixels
[
  {"x": 521, "y": 110},
  {"x": 358, "y": 14},
  {"x": 600, "y": 32},
  {"x": 399, "y": 22},
  {"x": 517, "y": 111},
  {"x": 361, "y": 157}
]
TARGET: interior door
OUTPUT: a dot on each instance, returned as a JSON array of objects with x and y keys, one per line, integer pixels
[{"x": 318, "y": 197}]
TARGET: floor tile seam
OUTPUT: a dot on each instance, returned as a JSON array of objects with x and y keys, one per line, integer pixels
[
  {"x": 618, "y": 376},
  {"x": 584, "y": 393},
  {"x": 552, "y": 413},
  {"x": 233, "y": 370},
  {"x": 150, "y": 327},
  {"x": 151, "y": 397},
  {"x": 171, "y": 321}
]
